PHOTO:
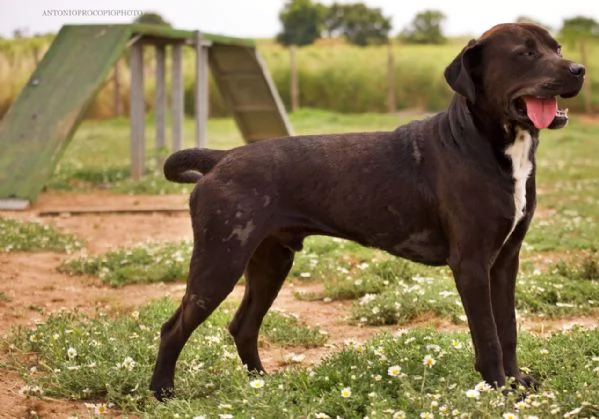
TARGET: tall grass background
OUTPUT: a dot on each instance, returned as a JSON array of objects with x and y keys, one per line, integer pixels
[{"x": 332, "y": 75}]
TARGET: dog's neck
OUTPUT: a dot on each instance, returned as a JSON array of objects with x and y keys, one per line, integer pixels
[{"x": 475, "y": 120}]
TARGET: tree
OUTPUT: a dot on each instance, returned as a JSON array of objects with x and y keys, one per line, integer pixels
[
  {"x": 578, "y": 30},
  {"x": 528, "y": 19},
  {"x": 151, "y": 18},
  {"x": 359, "y": 24},
  {"x": 425, "y": 28},
  {"x": 302, "y": 22}
]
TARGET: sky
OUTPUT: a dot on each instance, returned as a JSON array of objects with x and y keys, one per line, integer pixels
[{"x": 259, "y": 18}]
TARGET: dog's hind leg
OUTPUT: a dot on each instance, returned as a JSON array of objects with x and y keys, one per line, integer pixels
[
  {"x": 208, "y": 285},
  {"x": 265, "y": 274}
]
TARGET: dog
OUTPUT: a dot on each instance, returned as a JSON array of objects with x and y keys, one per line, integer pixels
[{"x": 455, "y": 189}]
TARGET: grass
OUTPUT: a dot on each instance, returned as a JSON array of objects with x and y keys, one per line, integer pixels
[
  {"x": 29, "y": 236},
  {"x": 145, "y": 263},
  {"x": 393, "y": 291},
  {"x": 106, "y": 361},
  {"x": 383, "y": 290}
]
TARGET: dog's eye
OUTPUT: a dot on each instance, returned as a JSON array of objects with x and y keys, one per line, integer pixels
[
  {"x": 526, "y": 52},
  {"x": 559, "y": 50}
]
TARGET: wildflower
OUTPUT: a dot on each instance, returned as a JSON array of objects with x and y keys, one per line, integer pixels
[
  {"x": 367, "y": 298},
  {"x": 394, "y": 370},
  {"x": 135, "y": 315},
  {"x": 377, "y": 377},
  {"x": 293, "y": 357},
  {"x": 573, "y": 412},
  {"x": 444, "y": 410},
  {"x": 428, "y": 361},
  {"x": 472, "y": 393},
  {"x": 400, "y": 414},
  {"x": 199, "y": 417},
  {"x": 305, "y": 274},
  {"x": 510, "y": 415},
  {"x": 258, "y": 383},
  {"x": 100, "y": 409},
  {"x": 426, "y": 415},
  {"x": 225, "y": 416},
  {"x": 71, "y": 353},
  {"x": 482, "y": 386},
  {"x": 543, "y": 351},
  {"x": 128, "y": 363},
  {"x": 33, "y": 338},
  {"x": 433, "y": 347},
  {"x": 346, "y": 392},
  {"x": 321, "y": 415},
  {"x": 456, "y": 344},
  {"x": 376, "y": 310}
]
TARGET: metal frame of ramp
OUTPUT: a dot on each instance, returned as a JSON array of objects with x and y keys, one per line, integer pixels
[{"x": 44, "y": 117}]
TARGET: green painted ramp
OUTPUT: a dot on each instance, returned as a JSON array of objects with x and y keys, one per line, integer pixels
[
  {"x": 245, "y": 83},
  {"x": 43, "y": 118}
]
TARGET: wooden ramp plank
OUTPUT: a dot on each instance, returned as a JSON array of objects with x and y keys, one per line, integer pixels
[
  {"x": 43, "y": 118},
  {"x": 245, "y": 84}
]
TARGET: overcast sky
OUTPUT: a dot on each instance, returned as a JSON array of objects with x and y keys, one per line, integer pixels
[{"x": 259, "y": 18}]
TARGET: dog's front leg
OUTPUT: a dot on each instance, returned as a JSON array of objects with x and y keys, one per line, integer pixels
[
  {"x": 473, "y": 282},
  {"x": 503, "y": 292}
]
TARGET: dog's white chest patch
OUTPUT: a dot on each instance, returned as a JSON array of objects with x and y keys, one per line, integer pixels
[{"x": 519, "y": 153}]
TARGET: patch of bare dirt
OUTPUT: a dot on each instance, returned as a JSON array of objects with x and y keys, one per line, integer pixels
[{"x": 34, "y": 288}]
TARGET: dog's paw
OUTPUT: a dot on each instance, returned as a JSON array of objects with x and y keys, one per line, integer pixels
[
  {"x": 525, "y": 380},
  {"x": 163, "y": 393}
]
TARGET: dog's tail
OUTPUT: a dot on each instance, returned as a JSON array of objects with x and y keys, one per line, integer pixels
[{"x": 188, "y": 166}]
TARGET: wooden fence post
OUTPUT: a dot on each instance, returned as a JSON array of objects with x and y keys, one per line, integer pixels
[
  {"x": 391, "y": 104},
  {"x": 294, "y": 78}
]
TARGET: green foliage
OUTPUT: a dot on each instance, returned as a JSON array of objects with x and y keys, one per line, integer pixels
[
  {"x": 586, "y": 269},
  {"x": 24, "y": 236},
  {"x": 425, "y": 28},
  {"x": 147, "y": 263},
  {"x": 357, "y": 23},
  {"x": 413, "y": 373},
  {"x": 285, "y": 329},
  {"x": 579, "y": 27},
  {"x": 301, "y": 21},
  {"x": 328, "y": 74},
  {"x": 151, "y": 18}
]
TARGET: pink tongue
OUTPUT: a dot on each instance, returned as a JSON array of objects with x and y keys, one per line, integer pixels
[{"x": 541, "y": 111}]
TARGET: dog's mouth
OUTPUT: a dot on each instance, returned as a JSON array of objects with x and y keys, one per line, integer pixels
[{"x": 542, "y": 112}]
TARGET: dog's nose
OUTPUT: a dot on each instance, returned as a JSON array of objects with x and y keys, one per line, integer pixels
[{"x": 577, "y": 69}]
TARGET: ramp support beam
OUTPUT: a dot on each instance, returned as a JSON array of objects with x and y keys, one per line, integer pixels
[
  {"x": 201, "y": 91},
  {"x": 160, "y": 103},
  {"x": 178, "y": 104},
  {"x": 137, "y": 117}
]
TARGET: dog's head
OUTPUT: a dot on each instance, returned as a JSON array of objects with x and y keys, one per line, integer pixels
[{"x": 514, "y": 72}]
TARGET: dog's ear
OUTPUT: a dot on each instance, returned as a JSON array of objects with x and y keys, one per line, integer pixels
[{"x": 458, "y": 74}]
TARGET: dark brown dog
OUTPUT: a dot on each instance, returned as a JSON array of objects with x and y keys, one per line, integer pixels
[{"x": 457, "y": 189}]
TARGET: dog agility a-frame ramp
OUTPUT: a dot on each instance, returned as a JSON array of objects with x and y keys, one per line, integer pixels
[{"x": 44, "y": 117}]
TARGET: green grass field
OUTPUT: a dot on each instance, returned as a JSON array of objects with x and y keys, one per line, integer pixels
[
  {"x": 106, "y": 359},
  {"x": 332, "y": 76}
]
